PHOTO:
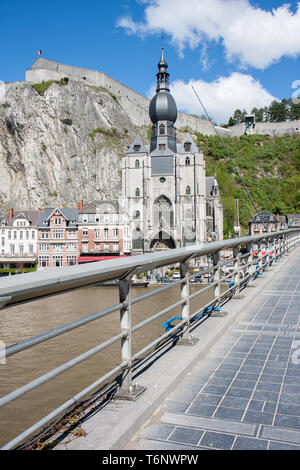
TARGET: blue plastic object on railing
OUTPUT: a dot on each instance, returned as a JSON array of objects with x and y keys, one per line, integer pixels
[
  {"x": 231, "y": 284},
  {"x": 167, "y": 325}
]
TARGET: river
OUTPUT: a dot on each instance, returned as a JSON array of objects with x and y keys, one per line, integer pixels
[{"x": 28, "y": 320}]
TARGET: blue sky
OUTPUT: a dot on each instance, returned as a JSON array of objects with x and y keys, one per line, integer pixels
[{"x": 236, "y": 53}]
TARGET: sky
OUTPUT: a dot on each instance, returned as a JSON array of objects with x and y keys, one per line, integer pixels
[{"x": 235, "y": 53}]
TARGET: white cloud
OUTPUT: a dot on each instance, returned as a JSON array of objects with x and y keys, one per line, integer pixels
[
  {"x": 220, "y": 97},
  {"x": 249, "y": 34}
]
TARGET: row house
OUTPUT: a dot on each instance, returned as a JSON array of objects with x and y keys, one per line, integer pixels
[
  {"x": 264, "y": 222},
  {"x": 102, "y": 230},
  {"x": 18, "y": 239},
  {"x": 58, "y": 243}
]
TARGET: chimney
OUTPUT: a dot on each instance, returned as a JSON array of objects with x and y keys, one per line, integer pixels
[
  {"x": 11, "y": 214},
  {"x": 80, "y": 205}
]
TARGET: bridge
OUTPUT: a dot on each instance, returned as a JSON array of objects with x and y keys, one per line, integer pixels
[{"x": 224, "y": 376}]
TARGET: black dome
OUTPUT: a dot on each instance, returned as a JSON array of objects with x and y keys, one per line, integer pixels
[{"x": 163, "y": 108}]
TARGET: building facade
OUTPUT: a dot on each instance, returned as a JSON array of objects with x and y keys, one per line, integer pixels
[
  {"x": 165, "y": 191},
  {"x": 58, "y": 244},
  {"x": 103, "y": 229},
  {"x": 18, "y": 240},
  {"x": 264, "y": 222}
]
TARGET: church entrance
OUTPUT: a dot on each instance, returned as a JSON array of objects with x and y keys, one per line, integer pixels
[{"x": 162, "y": 241}]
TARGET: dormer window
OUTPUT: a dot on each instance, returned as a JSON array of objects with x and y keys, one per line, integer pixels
[
  {"x": 136, "y": 148},
  {"x": 187, "y": 146}
]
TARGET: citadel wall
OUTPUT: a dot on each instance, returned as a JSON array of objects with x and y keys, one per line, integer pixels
[{"x": 136, "y": 105}]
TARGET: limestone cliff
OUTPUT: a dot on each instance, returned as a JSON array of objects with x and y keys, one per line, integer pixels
[{"x": 61, "y": 144}]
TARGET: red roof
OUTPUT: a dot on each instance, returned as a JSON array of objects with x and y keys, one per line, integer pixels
[{"x": 89, "y": 259}]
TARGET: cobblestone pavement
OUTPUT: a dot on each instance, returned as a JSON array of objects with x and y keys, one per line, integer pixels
[{"x": 245, "y": 394}]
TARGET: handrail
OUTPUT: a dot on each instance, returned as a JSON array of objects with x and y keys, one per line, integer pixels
[
  {"x": 45, "y": 283},
  {"x": 32, "y": 286}
]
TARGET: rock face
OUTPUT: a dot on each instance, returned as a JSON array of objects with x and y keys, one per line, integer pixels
[
  {"x": 64, "y": 141},
  {"x": 61, "y": 146}
]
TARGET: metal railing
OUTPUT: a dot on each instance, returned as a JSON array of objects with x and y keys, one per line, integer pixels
[{"x": 23, "y": 288}]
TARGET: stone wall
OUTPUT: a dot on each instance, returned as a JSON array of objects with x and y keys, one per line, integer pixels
[
  {"x": 271, "y": 128},
  {"x": 132, "y": 102}
]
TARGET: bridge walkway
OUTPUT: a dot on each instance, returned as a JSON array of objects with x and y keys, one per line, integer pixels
[{"x": 245, "y": 394}]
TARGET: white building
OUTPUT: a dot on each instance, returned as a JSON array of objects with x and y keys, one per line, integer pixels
[
  {"x": 18, "y": 239},
  {"x": 165, "y": 191}
]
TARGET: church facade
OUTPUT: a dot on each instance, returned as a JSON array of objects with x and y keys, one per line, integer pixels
[{"x": 170, "y": 201}]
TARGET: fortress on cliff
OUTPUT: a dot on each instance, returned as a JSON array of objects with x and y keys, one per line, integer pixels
[{"x": 137, "y": 105}]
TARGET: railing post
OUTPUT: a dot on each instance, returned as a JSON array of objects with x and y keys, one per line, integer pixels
[
  {"x": 217, "y": 276},
  {"x": 259, "y": 256},
  {"x": 237, "y": 273},
  {"x": 250, "y": 264},
  {"x": 186, "y": 339},
  {"x": 128, "y": 390}
]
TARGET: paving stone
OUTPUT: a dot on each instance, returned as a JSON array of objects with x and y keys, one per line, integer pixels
[
  {"x": 285, "y": 421},
  {"x": 238, "y": 392},
  {"x": 246, "y": 443},
  {"x": 280, "y": 434},
  {"x": 241, "y": 383},
  {"x": 229, "y": 413},
  {"x": 217, "y": 440},
  {"x": 186, "y": 435},
  {"x": 158, "y": 431},
  {"x": 288, "y": 409},
  {"x": 258, "y": 417},
  {"x": 265, "y": 395},
  {"x": 270, "y": 387},
  {"x": 212, "y": 424},
  {"x": 207, "y": 399},
  {"x": 214, "y": 389},
  {"x": 235, "y": 402},
  {"x": 281, "y": 446},
  {"x": 148, "y": 444},
  {"x": 178, "y": 406},
  {"x": 202, "y": 410}
]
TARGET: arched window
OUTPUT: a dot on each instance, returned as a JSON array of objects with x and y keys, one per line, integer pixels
[
  {"x": 188, "y": 190},
  {"x": 187, "y": 161},
  {"x": 137, "y": 164},
  {"x": 163, "y": 214},
  {"x": 137, "y": 242},
  {"x": 137, "y": 214},
  {"x": 170, "y": 129},
  {"x": 137, "y": 192},
  {"x": 161, "y": 129}
]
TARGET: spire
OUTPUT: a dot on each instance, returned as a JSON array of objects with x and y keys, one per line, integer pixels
[{"x": 162, "y": 75}]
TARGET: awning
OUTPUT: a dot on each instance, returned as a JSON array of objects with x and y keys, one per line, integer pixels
[
  {"x": 89, "y": 259},
  {"x": 17, "y": 260}
]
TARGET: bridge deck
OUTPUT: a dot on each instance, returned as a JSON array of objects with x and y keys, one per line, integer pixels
[{"x": 246, "y": 393}]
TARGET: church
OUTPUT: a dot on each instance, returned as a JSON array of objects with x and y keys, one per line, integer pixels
[{"x": 170, "y": 201}]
